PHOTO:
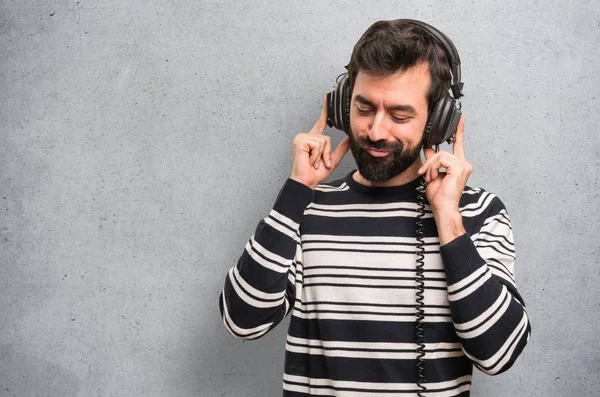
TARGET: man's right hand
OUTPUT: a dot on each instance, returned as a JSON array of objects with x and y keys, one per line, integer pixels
[{"x": 313, "y": 159}]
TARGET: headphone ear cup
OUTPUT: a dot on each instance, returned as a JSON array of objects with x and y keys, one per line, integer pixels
[
  {"x": 428, "y": 133},
  {"x": 442, "y": 121},
  {"x": 338, "y": 105}
]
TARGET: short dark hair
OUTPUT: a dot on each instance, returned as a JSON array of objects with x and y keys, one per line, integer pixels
[{"x": 394, "y": 46}]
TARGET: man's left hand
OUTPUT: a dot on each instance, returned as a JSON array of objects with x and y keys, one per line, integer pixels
[{"x": 444, "y": 188}]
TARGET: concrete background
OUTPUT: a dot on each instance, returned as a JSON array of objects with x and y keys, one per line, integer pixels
[{"x": 141, "y": 142}]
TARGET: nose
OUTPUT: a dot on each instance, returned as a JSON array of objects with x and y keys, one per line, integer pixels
[{"x": 378, "y": 131}]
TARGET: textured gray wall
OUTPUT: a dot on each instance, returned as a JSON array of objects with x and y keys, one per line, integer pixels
[{"x": 141, "y": 142}]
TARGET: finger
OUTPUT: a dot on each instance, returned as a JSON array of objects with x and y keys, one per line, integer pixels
[
  {"x": 327, "y": 153},
  {"x": 439, "y": 160},
  {"x": 434, "y": 185},
  {"x": 314, "y": 152},
  {"x": 312, "y": 160},
  {"x": 458, "y": 147},
  {"x": 428, "y": 151},
  {"x": 430, "y": 156},
  {"x": 432, "y": 170},
  {"x": 340, "y": 152},
  {"x": 321, "y": 123},
  {"x": 431, "y": 173},
  {"x": 318, "y": 159},
  {"x": 321, "y": 150},
  {"x": 306, "y": 143}
]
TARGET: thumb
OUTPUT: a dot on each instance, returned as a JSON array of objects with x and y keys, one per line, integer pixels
[{"x": 340, "y": 152}]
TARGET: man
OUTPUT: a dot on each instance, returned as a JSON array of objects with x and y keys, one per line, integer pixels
[{"x": 342, "y": 257}]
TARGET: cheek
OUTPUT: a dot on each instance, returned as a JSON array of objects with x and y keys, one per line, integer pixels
[
  {"x": 418, "y": 128},
  {"x": 411, "y": 132},
  {"x": 359, "y": 125}
]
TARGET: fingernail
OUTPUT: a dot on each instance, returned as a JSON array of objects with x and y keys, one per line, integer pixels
[
  {"x": 329, "y": 163},
  {"x": 317, "y": 164}
]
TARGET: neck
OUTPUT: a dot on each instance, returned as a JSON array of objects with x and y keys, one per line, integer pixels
[{"x": 409, "y": 175}]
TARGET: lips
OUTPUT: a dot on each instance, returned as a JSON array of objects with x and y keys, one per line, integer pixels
[{"x": 377, "y": 153}]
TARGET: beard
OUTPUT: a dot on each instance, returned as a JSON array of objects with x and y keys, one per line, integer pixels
[{"x": 382, "y": 169}]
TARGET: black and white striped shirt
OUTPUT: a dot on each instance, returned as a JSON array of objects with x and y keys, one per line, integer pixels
[{"x": 342, "y": 260}]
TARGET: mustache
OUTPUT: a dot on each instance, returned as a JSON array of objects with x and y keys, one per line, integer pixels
[{"x": 366, "y": 143}]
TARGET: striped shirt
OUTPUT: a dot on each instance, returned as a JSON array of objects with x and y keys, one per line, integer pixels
[{"x": 342, "y": 260}]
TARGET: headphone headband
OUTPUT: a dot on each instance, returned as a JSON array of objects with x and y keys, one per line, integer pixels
[{"x": 451, "y": 52}]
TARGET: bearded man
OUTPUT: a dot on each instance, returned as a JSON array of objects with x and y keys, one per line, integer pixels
[{"x": 392, "y": 290}]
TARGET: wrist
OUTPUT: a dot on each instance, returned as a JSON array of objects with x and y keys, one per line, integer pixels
[
  {"x": 450, "y": 226},
  {"x": 292, "y": 200},
  {"x": 299, "y": 180}
]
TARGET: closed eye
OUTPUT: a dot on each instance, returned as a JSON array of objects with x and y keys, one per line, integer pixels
[
  {"x": 400, "y": 120},
  {"x": 368, "y": 111},
  {"x": 363, "y": 111}
]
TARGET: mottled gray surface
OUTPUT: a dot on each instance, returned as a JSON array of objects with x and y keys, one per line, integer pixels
[{"x": 141, "y": 142}]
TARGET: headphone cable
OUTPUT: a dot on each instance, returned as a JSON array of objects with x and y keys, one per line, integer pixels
[{"x": 420, "y": 279}]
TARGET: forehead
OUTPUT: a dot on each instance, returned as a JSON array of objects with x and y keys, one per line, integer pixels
[{"x": 408, "y": 87}]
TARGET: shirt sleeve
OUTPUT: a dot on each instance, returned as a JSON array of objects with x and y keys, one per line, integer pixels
[
  {"x": 488, "y": 313},
  {"x": 259, "y": 290}
]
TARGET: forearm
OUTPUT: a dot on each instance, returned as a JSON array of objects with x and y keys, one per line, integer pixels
[
  {"x": 449, "y": 224},
  {"x": 257, "y": 292},
  {"x": 488, "y": 318}
]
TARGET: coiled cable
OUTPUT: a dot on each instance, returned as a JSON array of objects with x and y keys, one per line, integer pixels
[{"x": 420, "y": 280}]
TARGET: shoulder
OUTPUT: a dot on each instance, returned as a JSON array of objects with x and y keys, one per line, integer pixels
[
  {"x": 335, "y": 192},
  {"x": 480, "y": 203}
]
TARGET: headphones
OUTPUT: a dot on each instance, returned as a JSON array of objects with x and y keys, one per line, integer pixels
[{"x": 444, "y": 116}]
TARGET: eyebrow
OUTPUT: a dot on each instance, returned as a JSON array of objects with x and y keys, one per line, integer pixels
[{"x": 393, "y": 108}]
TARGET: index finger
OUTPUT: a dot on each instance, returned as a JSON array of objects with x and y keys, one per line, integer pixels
[
  {"x": 321, "y": 123},
  {"x": 458, "y": 147}
]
